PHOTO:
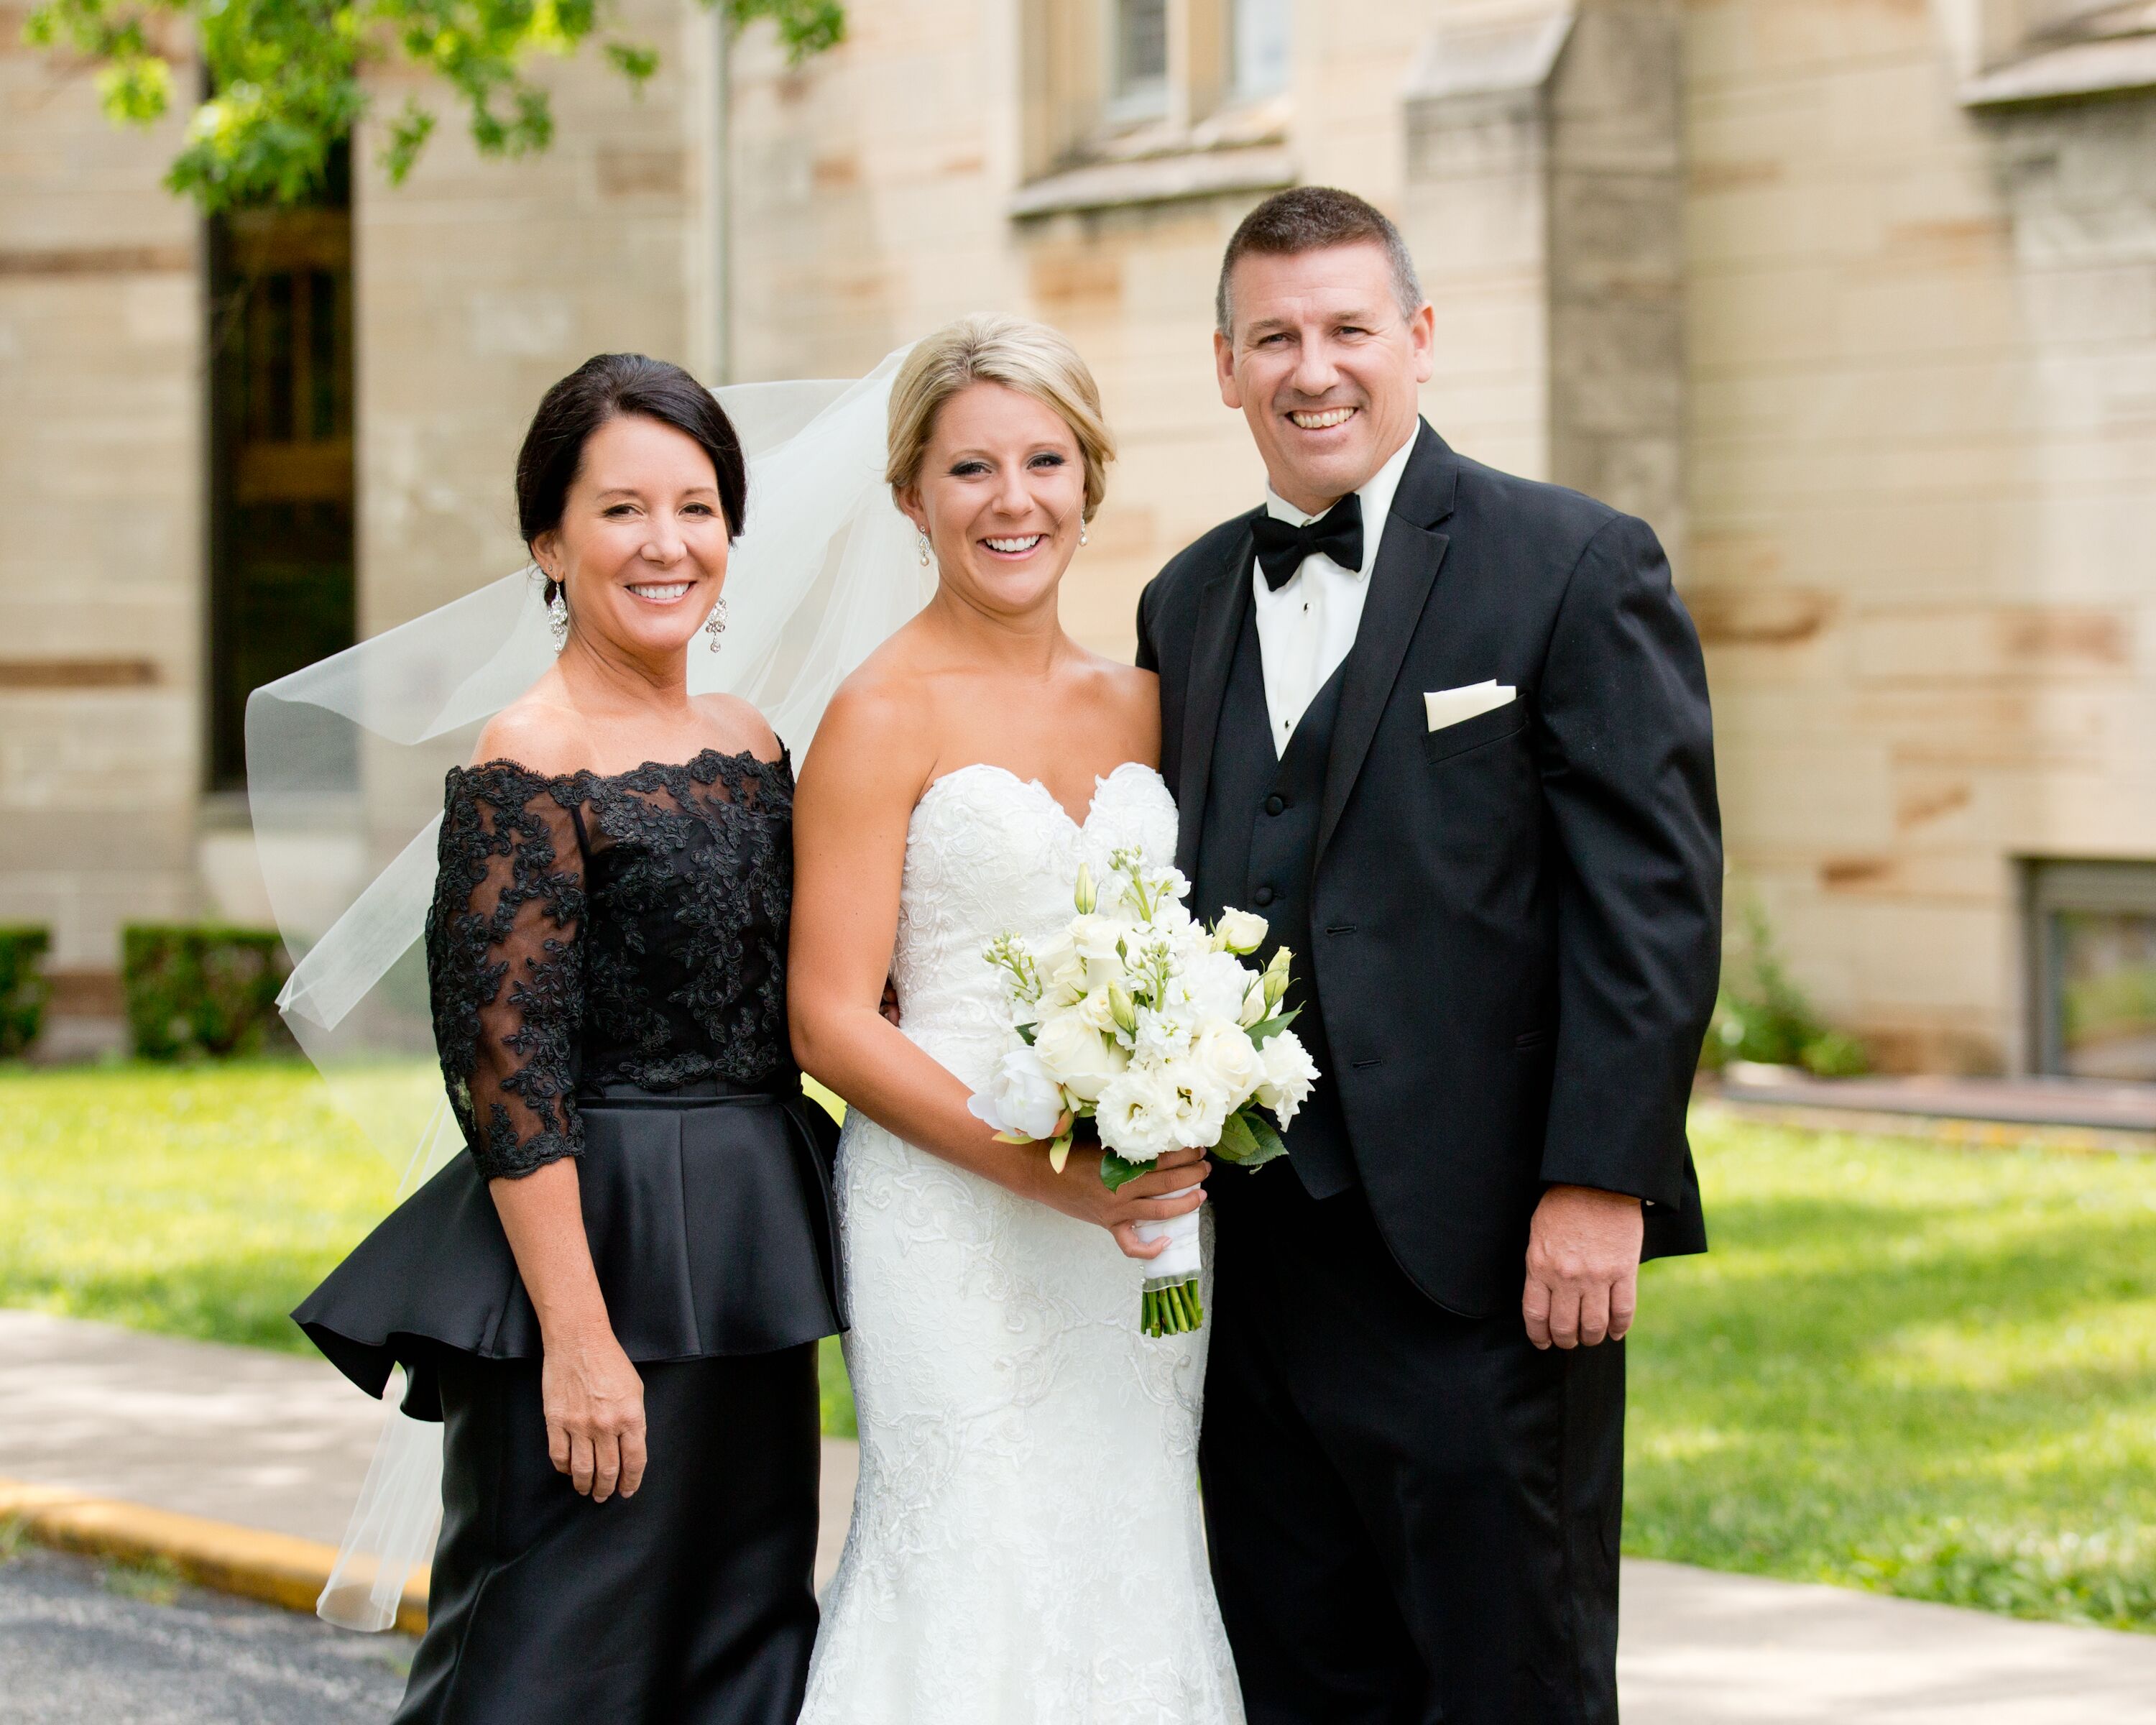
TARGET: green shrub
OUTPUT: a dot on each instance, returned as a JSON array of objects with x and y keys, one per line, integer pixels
[
  {"x": 23, "y": 988},
  {"x": 202, "y": 990},
  {"x": 1761, "y": 1014}
]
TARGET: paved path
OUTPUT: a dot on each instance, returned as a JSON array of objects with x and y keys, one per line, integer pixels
[
  {"x": 80, "y": 1645},
  {"x": 281, "y": 1442}
]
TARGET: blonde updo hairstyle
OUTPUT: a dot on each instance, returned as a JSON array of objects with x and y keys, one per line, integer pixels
[{"x": 984, "y": 348}]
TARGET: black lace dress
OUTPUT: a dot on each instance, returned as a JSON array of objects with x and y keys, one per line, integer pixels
[{"x": 606, "y": 956}]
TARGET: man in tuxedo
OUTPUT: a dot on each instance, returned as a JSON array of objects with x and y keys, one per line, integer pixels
[{"x": 1448, "y": 730}]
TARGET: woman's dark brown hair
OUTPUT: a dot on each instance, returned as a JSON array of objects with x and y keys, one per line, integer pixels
[{"x": 604, "y": 388}]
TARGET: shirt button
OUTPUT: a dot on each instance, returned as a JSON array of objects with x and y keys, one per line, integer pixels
[
  {"x": 1274, "y": 803},
  {"x": 1262, "y": 897}
]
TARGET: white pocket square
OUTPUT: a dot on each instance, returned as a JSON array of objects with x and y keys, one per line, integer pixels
[{"x": 1448, "y": 706}]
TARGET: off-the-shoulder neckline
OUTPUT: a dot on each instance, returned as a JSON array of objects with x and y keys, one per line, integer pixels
[{"x": 785, "y": 758}]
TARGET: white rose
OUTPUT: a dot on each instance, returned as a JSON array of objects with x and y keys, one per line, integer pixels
[
  {"x": 1222, "y": 1053},
  {"x": 1020, "y": 1098},
  {"x": 1096, "y": 1011},
  {"x": 1077, "y": 1057},
  {"x": 1239, "y": 931},
  {"x": 1289, "y": 1072},
  {"x": 1137, "y": 1114}
]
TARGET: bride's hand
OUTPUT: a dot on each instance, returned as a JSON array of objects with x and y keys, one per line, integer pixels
[
  {"x": 1077, "y": 1191},
  {"x": 593, "y": 1402}
]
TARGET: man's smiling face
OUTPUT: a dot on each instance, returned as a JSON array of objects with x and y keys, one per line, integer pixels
[{"x": 1324, "y": 364}]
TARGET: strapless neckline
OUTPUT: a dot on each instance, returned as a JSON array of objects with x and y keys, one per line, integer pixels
[{"x": 1101, "y": 782}]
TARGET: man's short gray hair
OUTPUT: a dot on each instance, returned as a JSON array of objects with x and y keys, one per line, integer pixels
[{"x": 1312, "y": 218}]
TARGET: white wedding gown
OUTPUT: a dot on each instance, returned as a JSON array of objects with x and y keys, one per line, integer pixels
[{"x": 1026, "y": 1546}]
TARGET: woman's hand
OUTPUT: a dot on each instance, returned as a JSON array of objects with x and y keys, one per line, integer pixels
[
  {"x": 1077, "y": 1191},
  {"x": 593, "y": 1401}
]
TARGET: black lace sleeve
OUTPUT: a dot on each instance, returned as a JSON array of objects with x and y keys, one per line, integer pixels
[{"x": 504, "y": 966}]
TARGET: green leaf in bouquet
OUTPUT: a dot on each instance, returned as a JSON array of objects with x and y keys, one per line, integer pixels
[
  {"x": 1265, "y": 1029},
  {"x": 1265, "y": 1135},
  {"x": 1028, "y": 1032},
  {"x": 1118, "y": 1172},
  {"x": 1237, "y": 1144}
]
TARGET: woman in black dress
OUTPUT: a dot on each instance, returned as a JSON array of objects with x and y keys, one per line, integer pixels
[{"x": 613, "y": 1303}]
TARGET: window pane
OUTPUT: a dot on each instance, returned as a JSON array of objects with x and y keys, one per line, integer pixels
[
  {"x": 1140, "y": 45},
  {"x": 2105, "y": 962},
  {"x": 1259, "y": 31}
]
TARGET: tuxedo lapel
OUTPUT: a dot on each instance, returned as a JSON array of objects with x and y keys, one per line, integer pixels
[
  {"x": 1406, "y": 570},
  {"x": 1220, "y": 611}
]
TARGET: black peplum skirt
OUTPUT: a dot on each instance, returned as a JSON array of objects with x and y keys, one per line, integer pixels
[{"x": 710, "y": 1215}]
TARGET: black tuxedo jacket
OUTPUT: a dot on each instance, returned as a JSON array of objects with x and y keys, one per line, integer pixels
[{"x": 1516, "y": 920}]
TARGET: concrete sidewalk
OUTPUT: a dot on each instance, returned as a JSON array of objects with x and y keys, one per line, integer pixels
[{"x": 279, "y": 1444}]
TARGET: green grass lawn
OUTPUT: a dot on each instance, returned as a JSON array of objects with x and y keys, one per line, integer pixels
[{"x": 1923, "y": 1371}]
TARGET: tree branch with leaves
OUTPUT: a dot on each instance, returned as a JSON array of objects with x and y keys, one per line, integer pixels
[{"x": 287, "y": 78}]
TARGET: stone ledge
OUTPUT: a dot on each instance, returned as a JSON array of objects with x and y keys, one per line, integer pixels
[
  {"x": 2077, "y": 71},
  {"x": 1157, "y": 179}
]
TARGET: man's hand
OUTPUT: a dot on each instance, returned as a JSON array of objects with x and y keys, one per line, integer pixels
[{"x": 1583, "y": 1267}]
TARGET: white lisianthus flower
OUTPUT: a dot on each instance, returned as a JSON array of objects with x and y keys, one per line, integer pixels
[
  {"x": 1214, "y": 985},
  {"x": 1239, "y": 931},
  {"x": 1202, "y": 1105},
  {"x": 1223, "y": 1055},
  {"x": 1077, "y": 1057},
  {"x": 1021, "y": 1097},
  {"x": 1137, "y": 1114},
  {"x": 1254, "y": 1011},
  {"x": 1289, "y": 1072}
]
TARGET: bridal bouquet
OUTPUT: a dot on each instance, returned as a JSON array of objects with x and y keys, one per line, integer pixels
[{"x": 1150, "y": 1025}]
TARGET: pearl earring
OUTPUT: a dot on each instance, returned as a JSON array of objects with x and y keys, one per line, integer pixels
[
  {"x": 922, "y": 540},
  {"x": 715, "y": 624},
  {"x": 1081, "y": 532}
]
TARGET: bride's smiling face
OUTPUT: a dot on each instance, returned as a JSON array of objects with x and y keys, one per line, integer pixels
[
  {"x": 642, "y": 547},
  {"x": 1001, "y": 494}
]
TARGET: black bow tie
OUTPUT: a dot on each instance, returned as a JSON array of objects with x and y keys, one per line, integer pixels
[{"x": 1282, "y": 546}]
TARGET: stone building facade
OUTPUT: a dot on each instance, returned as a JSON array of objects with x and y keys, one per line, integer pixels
[{"x": 1854, "y": 299}]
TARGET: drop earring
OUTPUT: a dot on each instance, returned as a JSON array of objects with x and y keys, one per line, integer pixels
[
  {"x": 1081, "y": 532},
  {"x": 921, "y": 540},
  {"x": 558, "y": 612},
  {"x": 715, "y": 624}
]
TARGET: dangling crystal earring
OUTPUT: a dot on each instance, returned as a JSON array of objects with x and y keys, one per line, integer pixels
[
  {"x": 715, "y": 624},
  {"x": 922, "y": 539},
  {"x": 558, "y": 612},
  {"x": 1081, "y": 532}
]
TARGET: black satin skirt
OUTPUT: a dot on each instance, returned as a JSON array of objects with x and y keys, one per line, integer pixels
[
  {"x": 692, "y": 1603},
  {"x": 712, "y": 1229}
]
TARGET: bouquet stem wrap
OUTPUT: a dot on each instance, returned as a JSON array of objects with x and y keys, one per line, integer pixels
[{"x": 1170, "y": 1303}]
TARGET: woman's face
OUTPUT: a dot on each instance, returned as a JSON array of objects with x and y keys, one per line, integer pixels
[
  {"x": 641, "y": 551},
  {"x": 1001, "y": 494}
]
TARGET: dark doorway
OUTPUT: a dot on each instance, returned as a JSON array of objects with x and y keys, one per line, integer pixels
[{"x": 281, "y": 482}]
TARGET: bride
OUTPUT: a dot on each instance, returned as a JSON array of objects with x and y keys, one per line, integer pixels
[{"x": 1026, "y": 1542}]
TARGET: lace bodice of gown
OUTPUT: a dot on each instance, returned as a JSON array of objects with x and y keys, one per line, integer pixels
[
  {"x": 1026, "y": 1547},
  {"x": 988, "y": 852},
  {"x": 592, "y": 929}
]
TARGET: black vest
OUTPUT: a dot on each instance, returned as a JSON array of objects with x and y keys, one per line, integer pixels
[{"x": 1257, "y": 850}]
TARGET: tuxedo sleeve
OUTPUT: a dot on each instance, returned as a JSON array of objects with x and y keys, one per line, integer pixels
[
  {"x": 1148, "y": 654},
  {"x": 1627, "y": 764}
]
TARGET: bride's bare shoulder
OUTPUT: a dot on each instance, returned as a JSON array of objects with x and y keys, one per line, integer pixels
[
  {"x": 1132, "y": 695},
  {"x": 874, "y": 723}
]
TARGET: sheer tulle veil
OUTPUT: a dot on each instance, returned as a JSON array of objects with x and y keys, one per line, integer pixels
[{"x": 345, "y": 762}]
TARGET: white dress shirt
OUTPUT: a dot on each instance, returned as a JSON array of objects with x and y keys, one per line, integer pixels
[{"x": 1306, "y": 628}]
